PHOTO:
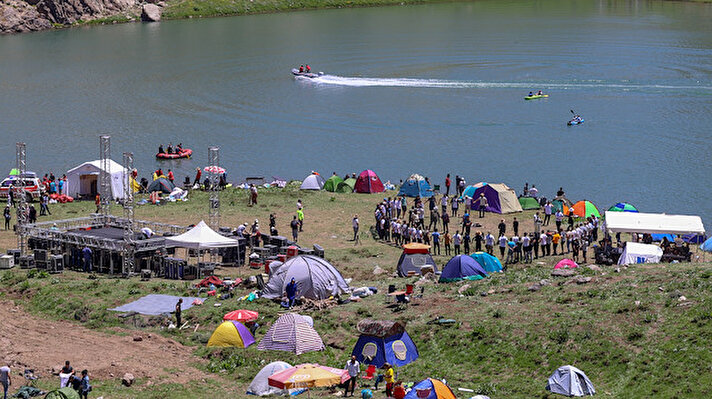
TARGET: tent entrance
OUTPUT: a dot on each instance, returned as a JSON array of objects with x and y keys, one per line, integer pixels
[{"x": 88, "y": 185}]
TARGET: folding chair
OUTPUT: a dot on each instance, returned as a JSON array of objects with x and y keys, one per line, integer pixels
[{"x": 370, "y": 372}]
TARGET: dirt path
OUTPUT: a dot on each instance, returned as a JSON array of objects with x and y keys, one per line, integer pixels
[{"x": 27, "y": 341}]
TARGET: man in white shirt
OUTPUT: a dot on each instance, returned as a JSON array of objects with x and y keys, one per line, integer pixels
[
  {"x": 543, "y": 240},
  {"x": 559, "y": 218},
  {"x": 489, "y": 243},
  {"x": 502, "y": 245},
  {"x": 527, "y": 248},
  {"x": 5, "y": 379},
  {"x": 533, "y": 192},
  {"x": 456, "y": 241},
  {"x": 354, "y": 369},
  {"x": 547, "y": 212}
]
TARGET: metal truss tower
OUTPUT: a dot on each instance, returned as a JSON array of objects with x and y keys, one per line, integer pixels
[
  {"x": 128, "y": 252},
  {"x": 20, "y": 194},
  {"x": 105, "y": 175},
  {"x": 214, "y": 165}
]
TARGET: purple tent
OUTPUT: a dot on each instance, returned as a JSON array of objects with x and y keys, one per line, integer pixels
[{"x": 500, "y": 198}]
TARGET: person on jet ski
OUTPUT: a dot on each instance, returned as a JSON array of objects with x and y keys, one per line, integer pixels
[
  {"x": 301, "y": 69},
  {"x": 308, "y": 68}
]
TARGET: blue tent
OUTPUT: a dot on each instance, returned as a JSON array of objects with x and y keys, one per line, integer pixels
[
  {"x": 694, "y": 238},
  {"x": 462, "y": 267},
  {"x": 489, "y": 262},
  {"x": 430, "y": 388},
  {"x": 659, "y": 237},
  {"x": 416, "y": 186},
  {"x": 707, "y": 245},
  {"x": 384, "y": 341}
]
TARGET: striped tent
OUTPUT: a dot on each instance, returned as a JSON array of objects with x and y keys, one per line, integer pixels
[{"x": 291, "y": 333}]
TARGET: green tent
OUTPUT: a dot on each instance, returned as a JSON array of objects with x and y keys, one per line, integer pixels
[
  {"x": 529, "y": 203},
  {"x": 332, "y": 183},
  {"x": 346, "y": 186},
  {"x": 62, "y": 393},
  {"x": 14, "y": 172}
]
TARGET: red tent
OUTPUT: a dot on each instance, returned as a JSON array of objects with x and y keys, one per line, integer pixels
[
  {"x": 210, "y": 279},
  {"x": 368, "y": 182}
]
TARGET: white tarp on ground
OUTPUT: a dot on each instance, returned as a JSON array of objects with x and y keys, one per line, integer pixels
[
  {"x": 81, "y": 178},
  {"x": 201, "y": 237},
  {"x": 636, "y": 252},
  {"x": 653, "y": 223}
]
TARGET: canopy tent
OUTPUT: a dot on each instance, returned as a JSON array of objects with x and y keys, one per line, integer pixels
[
  {"x": 315, "y": 277},
  {"x": 346, "y": 186},
  {"x": 83, "y": 180},
  {"x": 623, "y": 207},
  {"x": 241, "y": 315},
  {"x": 332, "y": 183},
  {"x": 488, "y": 262},
  {"x": 308, "y": 376},
  {"x": 260, "y": 384},
  {"x": 161, "y": 184},
  {"x": 291, "y": 333},
  {"x": 636, "y": 252},
  {"x": 628, "y": 222},
  {"x": 570, "y": 381},
  {"x": 585, "y": 209},
  {"x": 529, "y": 203},
  {"x": 384, "y": 341},
  {"x": 415, "y": 259},
  {"x": 500, "y": 198},
  {"x": 312, "y": 182},
  {"x": 200, "y": 237},
  {"x": 430, "y": 388},
  {"x": 231, "y": 333},
  {"x": 462, "y": 267},
  {"x": 416, "y": 186},
  {"x": 368, "y": 182},
  {"x": 62, "y": 393},
  {"x": 566, "y": 264}
]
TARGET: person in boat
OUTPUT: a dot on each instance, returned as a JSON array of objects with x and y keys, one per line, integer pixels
[
  {"x": 170, "y": 148},
  {"x": 539, "y": 93},
  {"x": 179, "y": 148},
  {"x": 301, "y": 69},
  {"x": 308, "y": 68},
  {"x": 160, "y": 149},
  {"x": 531, "y": 93}
]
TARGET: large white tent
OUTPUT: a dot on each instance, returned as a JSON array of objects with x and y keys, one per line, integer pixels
[
  {"x": 201, "y": 237},
  {"x": 84, "y": 179},
  {"x": 636, "y": 252},
  {"x": 653, "y": 223}
]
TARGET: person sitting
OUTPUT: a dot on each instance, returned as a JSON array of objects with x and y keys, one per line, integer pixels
[
  {"x": 301, "y": 69},
  {"x": 170, "y": 149},
  {"x": 531, "y": 93},
  {"x": 308, "y": 68},
  {"x": 539, "y": 93},
  {"x": 179, "y": 147},
  {"x": 160, "y": 149}
]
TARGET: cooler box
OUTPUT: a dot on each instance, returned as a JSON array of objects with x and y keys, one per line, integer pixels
[
  {"x": 292, "y": 251},
  {"x": 282, "y": 258},
  {"x": 7, "y": 261}
]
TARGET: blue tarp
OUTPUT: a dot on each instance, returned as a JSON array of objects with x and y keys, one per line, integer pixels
[
  {"x": 398, "y": 350},
  {"x": 156, "y": 304},
  {"x": 416, "y": 188},
  {"x": 659, "y": 237}
]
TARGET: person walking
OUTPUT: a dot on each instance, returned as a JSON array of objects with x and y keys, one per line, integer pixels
[
  {"x": 85, "y": 386},
  {"x": 447, "y": 185},
  {"x": 300, "y": 218},
  {"x": 5, "y": 380},
  {"x": 353, "y": 368},
  {"x": 434, "y": 218},
  {"x": 8, "y": 215},
  {"x": 502, "y": 227},
  {"x": 482, "y": 202},
  {"x": 355, "y": 224},
  {"x": 294, "y": 224},
  {"x": 489, "y": 243},
  {"x": 179, "y": 311}
]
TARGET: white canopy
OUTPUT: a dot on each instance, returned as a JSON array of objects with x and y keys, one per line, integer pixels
[
  {"x": 201, "y": 237},
  {"x": 84, "y": 179},
  {"x": 653, "y": 223},
  {"x": 636, "y": 252}
]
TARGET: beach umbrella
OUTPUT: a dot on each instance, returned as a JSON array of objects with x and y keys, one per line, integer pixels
[
  {"x": 214, "y": 169},
  {"x": 241, "y": 315},
  {"x": 308, "y": 376},
  {"x": 585, "y": 209},
  {"x": 566, "y": 264},
  {"x": 623, "y": 207}
]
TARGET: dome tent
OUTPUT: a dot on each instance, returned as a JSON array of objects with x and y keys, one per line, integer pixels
[
  {"x": 260, "y": 384},
  {"x": 62, "y": 393},
  {"x": 462, "y": 267},
  {"x": 414, "y": 257},
  {"x": 500, "y": 198},
  {"x": 430, "y": 388},
  {"x": 623, "y": 207},
  {"x": 291, "y": 333},
  {"x": 416, "y": 186},
  {"x": 312, "y": 182},
  {"x": 315, "y": 277},
  {"x": 332, "y": 183},
  {"x": 231, "y": 333},
  {"x": 346, "y": 186},
  {"x": 161, "y": 184},
  {"x": 368, "y": 182},
  {"x": 570, "y": 381},
  {"x": 384, "y": 341},
  {"x": 488, "y": 262}
]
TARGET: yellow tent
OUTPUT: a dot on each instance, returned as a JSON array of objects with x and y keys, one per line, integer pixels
[{"x": 231, "y": 333}]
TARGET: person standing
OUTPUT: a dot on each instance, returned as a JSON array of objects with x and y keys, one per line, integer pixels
[
  {"x": 489, "y": 243},
  {"x": 478, "y": 241},
  {"x": 390, "y": 379},
  {"x": 482, "y": 201},
  {"x": 179, "y": 311},
  {"x": 253, "y": 195},
  {"x": 355, "y": 224},
  {"x": 454, "y": 205},
  {"x": 446, "y": 222},
  {"x": 559, "y": 218},
  {"x": 294, "y": 224},
  {"x": 170, "y": 176},
  {"x": 434, "y": 218},
  {"x": 515, "y": 226},
  {"x": 456, "y": 240},
  {"x": 87, "y": 254},
  {"x": 300, "y": 218},
  {"x": 555, "y": 239},
  {"x": 85, "y": 386},
  {"x": 354, "y": 369},
  {"x": 291, "y": 291},
  {"x": 447, "y": 239},
  {"x": 537, "y": 224},
  {"x": 8, "y": 215},
  {"x": 436, "y": 241},
  {"x": 5, "y": 380},
  {"x": 198, "y": 175},
  {"x": 502, "y": 227},
  {"x": 547, "y": 213},
  {"x": 542, "y": 243},
  {"x": 502, "y": 244},
  {"x": 447, "y": 185}
]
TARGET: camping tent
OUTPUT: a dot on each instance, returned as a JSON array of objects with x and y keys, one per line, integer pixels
[
  {"x": 346, "y": 186},
  {"x": 500, "y": 198},
  {"x": 636, "y": 252},
  {"x": 84, "y": 179},
  {"x": 707, "y": 245},
  {"x": 231, "y": 333},
  {"x": 368, "y": 182},
  {"x": 628, "y": 222},
  {"x": 570, "y": 381},
  {"x": 529, "y": 203},
  {"x": 566, "y": 264},
  {"x": 161, "y": 184},
  {"x": 561, "y": 204},
  {"x": 200, "y": 237},
  {"x": 488, "y": 262},
  {"x": 462, "y": 267},
  {"x": 414, "y": 258},
  {"x": 312, "y": 182},
  {"x": 430, "y": 388},
  {"x": 62, "y": 393},
  {"x": 416, "y": 186},
  {"x": 623, "y": 207},
  {"x": 585, "y": 209},
  {"x": 260, "y": 385},
  {"x": 332, "y": 183},
  {"x": 315, "y": 277},
  {"x": 291, "y": 333},
  {"x": 384, "y": 341}
]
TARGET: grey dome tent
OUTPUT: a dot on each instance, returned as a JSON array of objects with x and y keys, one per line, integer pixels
[
  {"x": 315, "y": 278},
  {"x": 570, "y": 381},
  {"x": 414, "y": 258},
  {"x": 312, "y": 182},
  {"x": 161, "y": 184}
]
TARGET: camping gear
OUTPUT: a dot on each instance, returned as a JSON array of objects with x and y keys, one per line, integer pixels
[
  {"x": 260, "y": 384},
  {"x": 83, "y": 180},
  {"x": 214, "y": 169},
  {"x": 462, "y": 267},
  {"x": 561, "y": 204},
  {"x": 315, "y": 277},
  {"x": 623, "y": 207},
  {"x": 156, "y": 304},
  {"x": 210, "y": 280},
  {"x": 500, "y": 198},
  {"x": 416, "y": 186},
  {"x": 566, "y": 264},
  {"x": 291, "y": 333},
  {"x": 346, "y": 186},
  {"x": 536, "y": 96},
  {"x": 529, "y": 203},
  {"x": 368, "y": 182},
  {"x": 241, "y": 315},
  {"x": 488, "y": 262},
  {"x": 660, "y": 237},
  {"x": 415, "y": 259},
  {"x": 430, "y": 388},
  {"x": 384, "y": 341},
  {"x": 631, "y": 222},
  {"x": 308, "y": 376},
  {"x": 62, "y": 393},
  {"x": 161, "y": 184},
  {"x": 312, "y": 182},
  {"x": 636, "y": 252},
  {"x": 332, "y": 183},
  {"x": 231, "y": 333},
  {"x": 570, "y": 381},
  {"x": 182, "y": 153},
  {"x": 585, "y": 209}
]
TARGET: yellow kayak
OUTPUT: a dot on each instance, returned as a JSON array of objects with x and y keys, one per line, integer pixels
[{"x": 536, "y": 96}]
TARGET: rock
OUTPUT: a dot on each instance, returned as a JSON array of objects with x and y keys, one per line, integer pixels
[
  {"x": 18, "y": 16},
  {"x": 490, "y": 292},
  {"x": 534, "y": 287},
  {"x": 462, "y": 289},
  {"x": 377, "y": 270},
  {"x": 682, "y": 298},
  {"x": 583, "y": 280},
  {"x": 137, "y": 338},
  {"x": 544, "y": 282},
  {"x": 150, "y": 13},
  {"x": 563, "y": 273},
  {"x": 67, "y": 12},
  {"x": 661, "y": 289},
  {"x": 595, "y": 268},
  {"x": 617, "y": 270},
  {"x": 483, "y": 293},
  {"x": 128, "y": 379},
  {"x": 637, "y": 303}
]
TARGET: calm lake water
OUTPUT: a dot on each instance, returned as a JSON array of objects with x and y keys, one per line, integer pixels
[{"x": 428, "y": 89}]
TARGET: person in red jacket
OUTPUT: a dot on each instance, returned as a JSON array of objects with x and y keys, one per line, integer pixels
[
  {"x": 198, "y": 173},
  {"x": 447, "y": 184}
]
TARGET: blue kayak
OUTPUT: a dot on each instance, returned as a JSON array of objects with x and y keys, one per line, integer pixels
[{"x": 576, "y": 121}]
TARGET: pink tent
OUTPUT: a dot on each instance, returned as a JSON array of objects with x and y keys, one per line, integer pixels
[
  {"x": 566, "y": 264},
  {"x": 368, "y": 182}
]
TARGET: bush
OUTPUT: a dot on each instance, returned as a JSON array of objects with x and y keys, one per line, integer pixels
[{"x": 36, "y": 273}]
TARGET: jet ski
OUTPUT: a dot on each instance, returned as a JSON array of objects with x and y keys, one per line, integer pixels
[
  {"x": 310, "y": 75},
  {"x": 577, "y": 120}
]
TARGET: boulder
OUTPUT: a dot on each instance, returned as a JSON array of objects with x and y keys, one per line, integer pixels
[
  {"x": 534, "y": 287},
  {"x": 17, "y": 16},
  {"x": 150, "y": 13},
  {"x": 595, "y": 268},
  {"x": 462, "y": 289},
  {"x": 128, "y": 379},
  {"x": 563, "y": 273},
  {"x": 377, "y": 270},
  {"x": 583, "y": 280}
]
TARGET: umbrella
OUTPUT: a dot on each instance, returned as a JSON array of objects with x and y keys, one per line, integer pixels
[
  {"x": 585, "y": 209},
  {"x": 241, "y": 315},
  {"x": 623, "y": 207},
  {"x": 214, "y": 169},
  {"x": 308, "y": 376}
]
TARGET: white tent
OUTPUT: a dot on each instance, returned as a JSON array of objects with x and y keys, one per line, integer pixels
[
  {"x": 84, "y": 179},
  {"x": 260, "y": 386},
  {"x": 653, "y": 223},
  {"x": 570, "y": 381},
  {"x": 201, "y": 237},
  {"x": 312, "y": 182},
  {"x": 636, "y": 252}
]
